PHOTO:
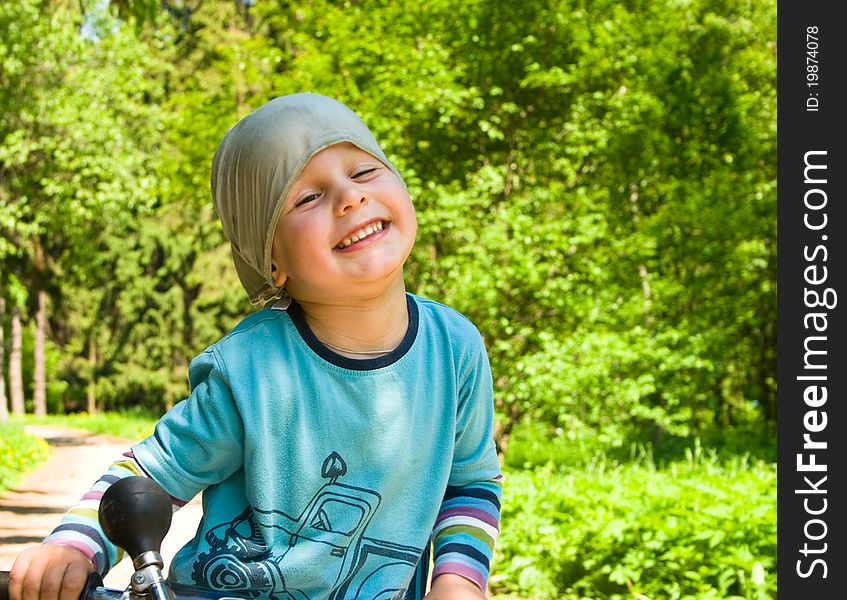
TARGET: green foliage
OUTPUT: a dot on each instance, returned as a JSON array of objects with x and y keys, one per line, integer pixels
[
  {"x": 132, "y": 424},
  {"x": 19, "y": 452},
  {"x": 701, "y": 529},
  {"x": 534, "y": 445},
  {"x": 586, "y": 239}
]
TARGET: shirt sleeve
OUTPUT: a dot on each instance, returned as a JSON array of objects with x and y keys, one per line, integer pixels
[
  {"x": 474, "y": 452},
  {"x": 200, "y": 441},
  {"x": 466, "y": 531},
  {"x": 80, "y": 527},
  {"x": 468, "y": 521}
]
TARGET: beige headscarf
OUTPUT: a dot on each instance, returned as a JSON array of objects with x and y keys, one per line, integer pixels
[{"x": 257, "y": 162}]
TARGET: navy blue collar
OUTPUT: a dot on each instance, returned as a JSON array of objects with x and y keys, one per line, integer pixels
[{"x": 355, "y": 364}]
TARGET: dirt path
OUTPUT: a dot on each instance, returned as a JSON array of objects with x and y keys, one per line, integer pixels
[{"x": 30, "y": 511}]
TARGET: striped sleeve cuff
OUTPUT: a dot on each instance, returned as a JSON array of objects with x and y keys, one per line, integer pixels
[
  {"x": 80, "y": 527},
  {"x": 466, "y": 530}
]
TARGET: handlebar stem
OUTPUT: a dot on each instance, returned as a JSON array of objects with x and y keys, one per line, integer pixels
[{"x": 147, "y": 582}]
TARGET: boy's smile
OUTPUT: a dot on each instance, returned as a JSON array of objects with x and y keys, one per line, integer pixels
[
  {"x": 346, "y": 227},
  {"x": 358, "y": 237}
]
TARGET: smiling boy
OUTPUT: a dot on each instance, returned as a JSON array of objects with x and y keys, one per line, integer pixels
[{"x": 341, "y": 436}]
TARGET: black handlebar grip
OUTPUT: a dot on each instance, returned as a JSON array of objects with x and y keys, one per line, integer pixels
[
  {"x": 93, "y": 582},
  {"x": 135, "y": 514},
  {"x": 4, "y": 585}
]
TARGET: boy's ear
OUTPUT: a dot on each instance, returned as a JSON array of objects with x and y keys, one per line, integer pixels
[{"x": 278, "y": 276}]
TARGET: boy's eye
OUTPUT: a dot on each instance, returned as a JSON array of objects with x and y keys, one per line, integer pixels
[
  {"x": 363, "y": 172},
  {"x": 306, "y": 199}
]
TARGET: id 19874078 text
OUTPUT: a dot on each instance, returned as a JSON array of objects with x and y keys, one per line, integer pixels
[{"x": 813, "y": 75}]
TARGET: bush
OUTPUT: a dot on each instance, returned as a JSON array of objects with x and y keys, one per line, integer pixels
[
  {"x": 533, "y": 444},
  {"x": 19, "y": 452},
  {"x": 697, "y": 529}
]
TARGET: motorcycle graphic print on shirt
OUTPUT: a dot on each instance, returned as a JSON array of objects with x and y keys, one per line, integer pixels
[{"x": 331, "y": 530}]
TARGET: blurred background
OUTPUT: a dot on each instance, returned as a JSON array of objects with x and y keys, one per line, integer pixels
[{"x": 595, "y": 184}]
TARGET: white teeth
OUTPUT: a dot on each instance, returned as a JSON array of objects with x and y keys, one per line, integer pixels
[{"x": 361, "y": 234}]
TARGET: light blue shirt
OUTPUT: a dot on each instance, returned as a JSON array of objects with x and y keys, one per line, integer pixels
[{"x": 322, "y": 475}]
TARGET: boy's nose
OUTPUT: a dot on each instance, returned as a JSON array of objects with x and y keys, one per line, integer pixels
[{"x": 350, "y": 199}]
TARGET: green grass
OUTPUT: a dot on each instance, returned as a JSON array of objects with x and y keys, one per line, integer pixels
[
  {"x": 702, "y": 528},
  {"x": 19, "y": 453},
  {"x": 687, "y": 519},
  {"x": 132, "y": 425},
  {"x": 533, "y": 445}
]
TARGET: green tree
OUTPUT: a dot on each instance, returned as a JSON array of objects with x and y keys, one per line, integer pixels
[
  {"x": 571, "y": 162},
  {"x": 79, "y": 129}
]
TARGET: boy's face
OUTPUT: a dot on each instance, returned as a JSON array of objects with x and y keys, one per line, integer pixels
[{"x": 346, "y": 228}]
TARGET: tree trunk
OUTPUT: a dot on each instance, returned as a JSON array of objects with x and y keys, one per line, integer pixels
[
  {"x": 91, "y": 397},
  {"x": 39, "y": 378},
  {"x": 4, "y": 405},
  {"x": 16, "y": 379},
  {"x": 503, "y": 429}
]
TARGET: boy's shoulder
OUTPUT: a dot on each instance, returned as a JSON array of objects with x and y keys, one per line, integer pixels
[
  {"x": 245, "y": 344},
  {"x": 447, "y": 316},
  {"x": 439, "y": 309},
  {"x": 251, "y": 330}
]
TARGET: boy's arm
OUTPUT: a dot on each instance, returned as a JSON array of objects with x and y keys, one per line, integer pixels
[
  {"x": 466, "y": 530},
  {"x": 52, "y": 570},
  {"x": 80, "y": 527},
  {"x": 58, "y": 568},
  {"x": 468, "y": 521},
  {"x": 195, "y": 444}
]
